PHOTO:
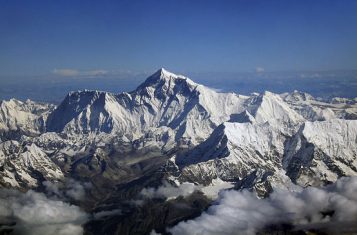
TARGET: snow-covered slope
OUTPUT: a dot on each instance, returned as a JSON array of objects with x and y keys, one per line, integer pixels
[
  {"x": 318, "y": 110},
  {"x": 24, "y": 166},
  {"x": 260, "y": 155},
  {"x": 23, "y": 117},
  {"x": 256, "y": 141},
  {"x": 322, "y": 151},
  {"x": 270, "y": 108},
  {"x": 236, "y": 151},
  {"x": 164, "y": 99}
]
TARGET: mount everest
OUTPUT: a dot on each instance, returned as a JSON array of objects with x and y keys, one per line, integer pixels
[{"x": 174, "y": 130}]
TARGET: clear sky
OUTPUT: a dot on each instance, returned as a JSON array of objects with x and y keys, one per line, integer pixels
[{"x": 68, "y": 36}]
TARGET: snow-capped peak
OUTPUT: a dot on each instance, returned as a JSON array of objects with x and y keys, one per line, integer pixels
[
  {"x": 162, "y": 100},
  {"x": 232, "y": 136},
  {"x": 297, "y": 96},
  {"x": 166, "y": 73},
  {"x": 167, "y": 100},
  {"x": 25, "y": 117},
  {"x": 271, "y": 108},
  {"x": 164, "y": 77}
]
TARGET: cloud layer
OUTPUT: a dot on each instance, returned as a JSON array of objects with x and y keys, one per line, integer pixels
[
  {"x": 169, "y": 191},
  {"x": 75, "y": 72},
  {"x": 71, "y": 189},
  {"x": 95, "y": 73},
  {"x": 259, "y": 70},
  {"x": 33, "y": 213},
  {"x": 323, "y": 208},
  {"x": 66, "y": 72}
]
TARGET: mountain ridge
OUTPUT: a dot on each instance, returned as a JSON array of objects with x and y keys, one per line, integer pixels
[
  {"x": 170, "y": 146},
  {"x": 164, "y": 99},
  {"x": 170, "y": 113}
]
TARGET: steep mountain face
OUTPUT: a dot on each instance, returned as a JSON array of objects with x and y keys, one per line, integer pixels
[
  {"x": 82, "y": 112},
  {"x": 322, "y": 151},
  {"x": 270, "y": 108},
  {"x": 317, "y": 110},
  {"x": 233, "y": 152},
  {"x": 164, "y": 99},
  {"x": 248, "y": 154},
  {"x": 22, "y": 117},
  {"x": 25, "y": 166}
]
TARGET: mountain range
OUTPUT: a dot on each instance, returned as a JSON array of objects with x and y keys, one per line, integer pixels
[{"x": 173, "y": 131}]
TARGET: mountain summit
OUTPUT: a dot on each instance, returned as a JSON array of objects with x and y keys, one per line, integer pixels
[
  {"x": 163, "y": 100},
  {"x": 227, "y": 136},
  {"x": 170, "y": 137},
  {"x": 164, "y": 75}
]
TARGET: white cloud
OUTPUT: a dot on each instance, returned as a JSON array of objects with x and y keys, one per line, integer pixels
[
  {"x": 76, "y": 190},
  {"x": 98, "y": 72},
  {"x": 259, "y": 70},
  {"x": 102, "y": 214},
  {"x": 310, "y": 75},
  {"x": 70, "y": 189},
  {"x": 80, "y": 73},
  {"x": 244, "y": 212},
  {"x": 169, "y": 191},
  {"x": 34, "y": 213},
  {"x": 153, "y": 232},
  {"x": 66, "y": 72}
]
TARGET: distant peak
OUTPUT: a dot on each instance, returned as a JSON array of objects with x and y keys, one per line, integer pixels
[
  {"x": 162, "y": 70},
  {"x": 163, "y": 75},
  {"x": 87, "y": 95}
]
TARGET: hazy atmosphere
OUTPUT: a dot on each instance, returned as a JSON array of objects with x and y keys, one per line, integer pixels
[{"x": 49, "y": 48}]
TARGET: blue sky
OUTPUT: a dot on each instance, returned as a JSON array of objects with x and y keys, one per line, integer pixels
[
  {"x": 69, "y": 37},
  {"x": 48, "y": 48}
]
